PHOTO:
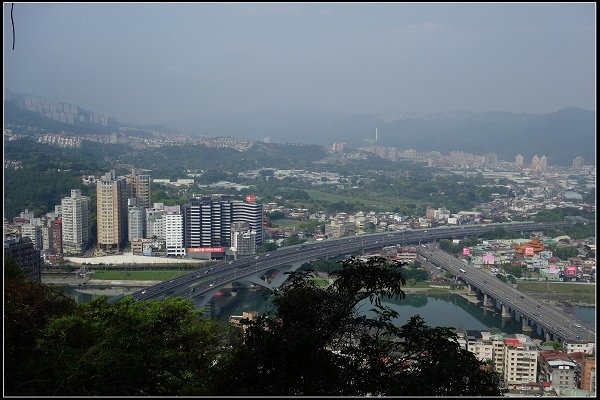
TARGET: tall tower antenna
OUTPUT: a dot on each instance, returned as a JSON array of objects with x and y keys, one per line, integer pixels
[{"x": 375, "y": 135}]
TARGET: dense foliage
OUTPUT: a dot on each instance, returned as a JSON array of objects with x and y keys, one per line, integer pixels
[
  {"x": 316, "y": 342},
  {"x": 327, "y": 347}
]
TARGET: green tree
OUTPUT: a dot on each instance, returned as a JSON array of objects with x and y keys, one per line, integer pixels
[
  {"x": 276, "y": 215},
  {"x": 565, "y": 252},
  {"x": 556, "y": 345},
  {"x": 328, "y": 347},
  {"x": 131, "y": 348},
  {"x": 55, "y": 347},
  {"x": 495, "y": 331},
  {"x": 266, "y": 247},
  {"x": 28, "y": 306}
]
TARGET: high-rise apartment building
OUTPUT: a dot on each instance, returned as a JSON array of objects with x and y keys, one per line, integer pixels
[
  {"x": 539, "y": 163},
  {"x": 138, "y": 187},
  {"x": 47, "y": 237},
  {"x": 519, "y": 160},
  {"x": 111, "y": 209},
  {"x": 75, "y": 223},
  {"x": 578, "y": 163},
  {"x": 57, "y": 236},
  {"x": 136, "y": 223},
  {"x": 251, "y": 213},
  {"x": 155, "y": 223},
  {"x": 174, "y": 239},
  {"x": 207, "y": 222}
]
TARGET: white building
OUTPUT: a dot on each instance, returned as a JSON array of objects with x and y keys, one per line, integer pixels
[
  {"x": 588, "y": 348},
  {"x": 75, "y": 223},
  {"x": 174, "y": 234}
]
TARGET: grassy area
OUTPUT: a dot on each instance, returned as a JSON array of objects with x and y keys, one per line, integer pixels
[
  {"x": 375, "y": 201},
  {"x": 321, "y": 282},
  {"x": 577, "y": 293},
  {"x": 558, "y": 287},
  {"x": 334, "y": 198},
  {"x": 154, "y": 275},
  {"x": 419, "y": 285}
]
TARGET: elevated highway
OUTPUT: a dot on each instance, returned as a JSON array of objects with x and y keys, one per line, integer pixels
[
  {"x": 201, "y": 284},
  {"x": 546, "y": 320}
]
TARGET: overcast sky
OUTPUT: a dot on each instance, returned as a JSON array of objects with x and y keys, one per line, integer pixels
[{"x": 160, "y": 62}]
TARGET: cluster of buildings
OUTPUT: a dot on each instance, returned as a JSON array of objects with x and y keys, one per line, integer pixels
[
  {"x": 530, "y": 367},
  {"x": 460, "y": 159},
  {"x": 533, "y": 255},
  {"x": 205, "y": 227},
  {"x": 60, "y": 140}
]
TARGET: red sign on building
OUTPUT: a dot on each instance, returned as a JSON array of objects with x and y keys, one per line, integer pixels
[
  {"x": 206, "y": 250},
  {"x": 251, "y": 198}
]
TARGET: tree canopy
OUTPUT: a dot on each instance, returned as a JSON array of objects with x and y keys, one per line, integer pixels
[{"x": 315, "y": 341}]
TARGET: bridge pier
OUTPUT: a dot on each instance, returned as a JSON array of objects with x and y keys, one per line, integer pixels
[
  {"x": 487, "y": 302},
  {"x": 202, "y": 300},
  {"x": 256, "y": 280},
  {"x": 282, "y": 276},
  {"x": 505, "y": 312},
  {"x": 525, "y": 324}
]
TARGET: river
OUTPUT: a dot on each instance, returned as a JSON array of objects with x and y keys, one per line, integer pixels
[{"x": 450, "y": 310}]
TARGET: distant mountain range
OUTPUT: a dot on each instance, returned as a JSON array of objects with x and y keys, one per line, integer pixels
[{"x": 560, "y": 136}]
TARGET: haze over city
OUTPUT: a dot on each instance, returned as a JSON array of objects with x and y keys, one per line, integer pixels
[{"x": 182, "y": 65}]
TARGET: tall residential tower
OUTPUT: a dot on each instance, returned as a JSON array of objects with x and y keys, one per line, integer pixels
[
  {"x": 75, "y": 223},
  {"x": 111, "y": 193}
]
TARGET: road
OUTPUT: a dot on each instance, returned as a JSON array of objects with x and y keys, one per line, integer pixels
[
  {"x": 551, "y": 319},
  {"x": 206, "y": 280}
]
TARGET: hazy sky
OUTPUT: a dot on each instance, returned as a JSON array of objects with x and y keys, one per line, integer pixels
[{"x": 160, "y": 62}]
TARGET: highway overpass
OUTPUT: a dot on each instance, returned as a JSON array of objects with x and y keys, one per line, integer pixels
[
  {"x": 201, "y": 284},
  {"x": 546, "y": 320}
]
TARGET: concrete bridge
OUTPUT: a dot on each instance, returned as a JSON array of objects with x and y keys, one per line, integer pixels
[
  {"x": 204, "y": 282},
  {"x": 547, "y": 321}
]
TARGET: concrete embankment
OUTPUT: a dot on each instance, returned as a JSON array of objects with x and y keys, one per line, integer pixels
[{"x": 72, "y": 280}]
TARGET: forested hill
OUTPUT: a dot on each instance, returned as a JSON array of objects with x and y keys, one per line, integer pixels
[
  {"x": 560, "y": 136},
  {"x": 48, "y": 173}
]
